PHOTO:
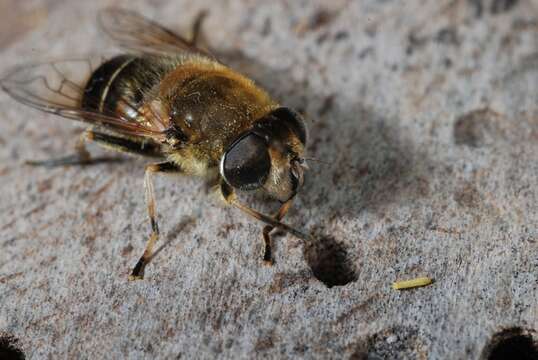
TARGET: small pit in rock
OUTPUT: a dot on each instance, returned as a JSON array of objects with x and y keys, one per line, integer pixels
[
  {"x": 9, "y": 349},
  {"x": 514, "y": 343},
  {"x": 501, "y": 6},
  {"x": 331, "y": 262},
  {"x": 477, "y": 128},
  {"x": 393, "y": 343}
]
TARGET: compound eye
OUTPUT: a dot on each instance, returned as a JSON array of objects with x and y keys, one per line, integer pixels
[
  {"x": 246, "y": 163},
  {"x": 293, "y": 120}
]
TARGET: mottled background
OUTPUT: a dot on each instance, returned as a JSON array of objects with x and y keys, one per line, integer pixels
[{"x": 427, "y": 114}]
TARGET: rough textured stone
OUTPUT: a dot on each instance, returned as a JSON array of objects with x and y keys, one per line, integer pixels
[{"x": 427, "y": 114}]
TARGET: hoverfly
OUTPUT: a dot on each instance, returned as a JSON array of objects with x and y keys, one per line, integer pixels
[{"x": 171, "y": 100}]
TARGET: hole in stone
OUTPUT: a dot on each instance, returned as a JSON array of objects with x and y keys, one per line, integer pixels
[
  {"x": 9, "y": 349},
  {"x": 500, "y": 6},
  {"x": 514, "y": 343},
  {"x": 330, "y": 262},
  {"x": 477, "y": 128},
  {"x": 392, "y": 343}
]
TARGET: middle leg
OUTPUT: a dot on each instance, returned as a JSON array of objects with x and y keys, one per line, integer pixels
[
  {"x": 197, "y": 36},
  {"x": 165, "y": 167}
]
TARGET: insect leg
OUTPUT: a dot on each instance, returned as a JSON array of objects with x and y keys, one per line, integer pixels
[
  {"x": 121, "y": 144},
  {"x": 110, "y": 142},
  {"x": 267, "y": 253},
  {"x": 197, "y": 35},
  {"x": 165, "y": 167},
  {"x": 228, "y": 195},
  {"x": 82, "y": 156}
]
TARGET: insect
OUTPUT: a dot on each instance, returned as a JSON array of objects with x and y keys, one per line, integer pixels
[{"x": 170, "y": 100}]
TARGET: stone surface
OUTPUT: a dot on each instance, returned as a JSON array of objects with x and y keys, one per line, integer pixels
[{"x": 427, "y": 114}]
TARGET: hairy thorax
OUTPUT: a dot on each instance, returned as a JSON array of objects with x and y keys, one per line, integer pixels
[{"x": 208, "y": 107}]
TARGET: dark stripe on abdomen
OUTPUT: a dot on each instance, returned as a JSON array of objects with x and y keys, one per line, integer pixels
[
  {"x": 121, "y": 84},
  {"x": 100, "y": 83}
]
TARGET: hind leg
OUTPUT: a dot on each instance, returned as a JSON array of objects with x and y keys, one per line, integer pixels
[
  {"x": 109, "y": 142},
  {"x": 81, "y": 157}
]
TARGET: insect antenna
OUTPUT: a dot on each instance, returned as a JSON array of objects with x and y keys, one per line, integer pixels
[{"x": 318, "y": 160}]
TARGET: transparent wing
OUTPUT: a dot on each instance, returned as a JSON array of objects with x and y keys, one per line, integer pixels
[
  {"x": 132, "y": 31},
  {"x": 58, "y": 87}
]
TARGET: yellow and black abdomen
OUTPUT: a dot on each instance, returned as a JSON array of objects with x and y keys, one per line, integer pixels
[{"x": 122, "y": 82}]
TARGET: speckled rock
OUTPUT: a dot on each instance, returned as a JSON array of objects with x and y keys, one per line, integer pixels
[{"x": 427, "y": 116}]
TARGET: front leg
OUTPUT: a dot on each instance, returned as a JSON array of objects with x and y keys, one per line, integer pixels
[
  {"x": 164, "y": 167},
  {"x": 267, "y": 240},
  {"x": 229, "y": 197}
]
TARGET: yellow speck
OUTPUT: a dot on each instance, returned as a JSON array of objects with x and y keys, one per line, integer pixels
[{"x": 409, "y": 284}]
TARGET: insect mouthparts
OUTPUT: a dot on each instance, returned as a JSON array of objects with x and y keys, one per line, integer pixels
[{"x": 175, "y": 135}]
